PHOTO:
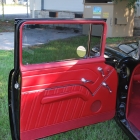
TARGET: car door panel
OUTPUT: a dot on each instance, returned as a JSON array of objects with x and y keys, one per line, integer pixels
[{"x": 55, "y": 99}]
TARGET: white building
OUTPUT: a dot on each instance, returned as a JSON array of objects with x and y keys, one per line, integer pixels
[{"x": 53, "y": 8}]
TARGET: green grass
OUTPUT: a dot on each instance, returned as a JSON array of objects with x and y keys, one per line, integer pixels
[
  {"x": 6, "y": 64},
  {"x": 114, "y": 40},
  {"x": 108, "y": 130},
  {"x": 53, "y": 51},
  {"x": 56, "y": 50}
]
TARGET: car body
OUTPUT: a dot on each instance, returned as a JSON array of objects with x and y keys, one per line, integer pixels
[{"x": 49, "y": 95}]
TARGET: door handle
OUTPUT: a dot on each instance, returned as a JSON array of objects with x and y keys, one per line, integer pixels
[
  {"x": 105, "y": 85},
  {"x": 64, "y": 96},
  {"x": 83, "y": 80}
]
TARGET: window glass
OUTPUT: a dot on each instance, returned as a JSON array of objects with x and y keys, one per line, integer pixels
[{"x": 59, "y": 42}]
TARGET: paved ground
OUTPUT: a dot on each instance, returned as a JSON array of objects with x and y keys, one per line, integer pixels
[
  {"x": 34, "y": 37},
  {"x": 40, "y": 36},
  {"x": 13, "y": 16},
  {"x": 11, "y": 12},
  {"x": 7, "y": 41}
]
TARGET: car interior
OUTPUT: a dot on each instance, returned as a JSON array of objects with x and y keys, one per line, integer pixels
[{"x": 133, "y": 103}]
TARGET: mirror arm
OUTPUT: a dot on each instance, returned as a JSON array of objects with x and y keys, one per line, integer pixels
[{"x": 89, "y": 40}]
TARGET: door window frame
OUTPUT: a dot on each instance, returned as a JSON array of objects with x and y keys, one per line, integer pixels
[{"x": 63, "y": 21}]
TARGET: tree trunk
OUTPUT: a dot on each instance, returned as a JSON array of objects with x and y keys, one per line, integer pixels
[
  {"x": 16, "y": 1},
  {"x": 2, "y": 2}
]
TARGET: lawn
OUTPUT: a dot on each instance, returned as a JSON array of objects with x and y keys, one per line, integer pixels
[
  {"x": 56, "y": 50},
  {"x": 108, "y": 130},
  {"x": 6, "y": 64}
]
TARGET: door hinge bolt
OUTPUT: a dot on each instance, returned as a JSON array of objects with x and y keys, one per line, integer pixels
[
  {"x": 126, "y": 87},
  {"x": 16, "y": 85}
]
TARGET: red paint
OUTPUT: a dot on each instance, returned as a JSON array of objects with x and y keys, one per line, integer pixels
[{"x": 69, "y": 125}]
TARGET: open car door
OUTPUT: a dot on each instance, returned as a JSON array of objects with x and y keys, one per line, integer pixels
[{"x": 53, "y": 88}]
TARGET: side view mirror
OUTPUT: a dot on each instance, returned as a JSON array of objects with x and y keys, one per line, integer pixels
[{"x": 81, "y": 51}]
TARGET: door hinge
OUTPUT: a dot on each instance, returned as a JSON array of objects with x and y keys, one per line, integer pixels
[{"x": 17, "y": 86}]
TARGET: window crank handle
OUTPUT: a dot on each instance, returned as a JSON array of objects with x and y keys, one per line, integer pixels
[
  {"x": 101, "y": 70},
  {"x": 105, "y": 85}
]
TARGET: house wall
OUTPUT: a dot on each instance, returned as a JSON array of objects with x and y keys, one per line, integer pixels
[
  {"x": 61, "y": 5},
  {"x": 61, "y": 9},
  {"x": 64, "y": 5},
  {"x": 35, "y": 5}
]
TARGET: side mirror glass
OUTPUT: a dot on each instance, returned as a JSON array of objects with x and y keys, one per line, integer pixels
[{"x": 81, "y": 51}]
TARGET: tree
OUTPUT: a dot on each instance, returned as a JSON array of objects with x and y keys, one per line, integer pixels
[
  {"x": 131, "y": 3},
  {"x": 2, "y": 3}
]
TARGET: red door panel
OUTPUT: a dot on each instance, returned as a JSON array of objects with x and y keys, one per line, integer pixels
[
  {"x": 58, "y": 101},
  {"x": 60, "y": 96}
]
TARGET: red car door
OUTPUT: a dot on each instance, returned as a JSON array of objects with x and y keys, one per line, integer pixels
[{"x": 58, "y": 96}]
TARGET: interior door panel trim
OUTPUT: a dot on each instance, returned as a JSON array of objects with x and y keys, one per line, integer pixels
[
  {"x": 64, "y": 96},
  {"x": 65, "y": 126}
]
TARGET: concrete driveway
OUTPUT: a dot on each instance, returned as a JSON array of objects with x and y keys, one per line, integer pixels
[
  {"x": 40, "y": 36},
  {"x": 34, "y": 37},
  {"x": 7, "y": 41}
]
